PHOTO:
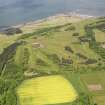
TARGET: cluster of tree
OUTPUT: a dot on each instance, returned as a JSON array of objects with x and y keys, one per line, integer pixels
[
  {"x": 84, "y": 39},
  {"x": 41, "y": 32},
  {"x": 92, "y": 43},
  {"x": 11, "y": 75},
  {"x": 90, "y": 61},
  {"x": 12, "y": 31},
  {"x": 85, "y": 99},
  {"x": 68, "y": 48},
  {"x": 25, "y": 58},
  {"x": 41, "y": 62},
  {"x": 81, "y": 56},
  {"x": 71, "y": 28},
  {"x": 75, "y": 34},
  {"x": 100, "y": 25},
  {"x": 66, "y": 61},
  {"x": 54, "y": 58},
  {"x": 7, "y": 55},
  {"x": 7, "y": 93}
]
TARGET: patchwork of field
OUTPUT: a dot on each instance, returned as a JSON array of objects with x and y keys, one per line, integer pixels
[
  {"x": 95, "y": 85},
  {"x": 46, "y": 90},
  {"x": 46, "y": 52},
  {"x": 55, "y": 43}
]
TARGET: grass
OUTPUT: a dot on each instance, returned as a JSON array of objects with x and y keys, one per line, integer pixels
[
  {"x": 95, "y": 78},
  {"x": 46, "y": 90},
  {"x": 19, "y": 55},
  {"x": 100, "y": 100},
  {"x": 99, "y": 35},
  {"x": 54, "y": 43},
  {"x": 6, "y": 41},
  {"x": 56, "y": 89},
  {"x": 60, "y": 20}
]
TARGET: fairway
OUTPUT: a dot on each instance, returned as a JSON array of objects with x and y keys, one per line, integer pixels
[{"x": 46, "y": 90}]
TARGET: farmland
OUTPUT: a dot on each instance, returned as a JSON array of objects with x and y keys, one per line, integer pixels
[
  {"x": 97, "y": 82},
  {"x": 100, "y": 36},
  {"x": 33, "y": 63},
  {"x": 46, "y": 90}
]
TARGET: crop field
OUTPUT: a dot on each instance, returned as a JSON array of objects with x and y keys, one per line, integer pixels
[
  {"x": 46, "y": 90},
  {"x": 100, "y": 36},
  {"x": 95, "y": 85}
]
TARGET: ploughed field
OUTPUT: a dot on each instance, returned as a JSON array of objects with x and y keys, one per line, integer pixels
[{"x": 46, "y": 90}]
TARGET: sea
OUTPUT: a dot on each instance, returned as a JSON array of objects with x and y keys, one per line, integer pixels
[{"x": 13, "y": 12}]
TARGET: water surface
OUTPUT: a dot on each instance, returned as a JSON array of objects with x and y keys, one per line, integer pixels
[{"x": 19, "y": 11}]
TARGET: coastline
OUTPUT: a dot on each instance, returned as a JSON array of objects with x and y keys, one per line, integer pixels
[
  {"x": 49, "y": 18},
  {"x": 71, "y": 14}
]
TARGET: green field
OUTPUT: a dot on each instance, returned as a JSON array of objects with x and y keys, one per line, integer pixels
[
  {"x": 46, "y": 90},
  {"x": 100, "y": 36},
  {"x": 97, "y": 82},
  {"x": 58, "y": 62},
  {"x": 6, "y": 41},
  {"x": 54, "y": 44}
]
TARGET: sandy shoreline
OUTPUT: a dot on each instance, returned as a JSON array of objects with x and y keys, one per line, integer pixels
[{"x": 71, "y": 14}]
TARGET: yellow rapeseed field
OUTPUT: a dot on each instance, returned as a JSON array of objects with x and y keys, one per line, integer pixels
[{"x": 46, "y": 90}]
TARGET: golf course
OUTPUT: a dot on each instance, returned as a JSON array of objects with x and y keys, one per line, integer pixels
[{"x": 57, "y": 61}]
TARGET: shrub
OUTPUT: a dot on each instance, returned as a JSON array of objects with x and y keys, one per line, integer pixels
[
  {"x": 12, "y": 31},
  {"x": 66, "y": 61},
  {"x": 75, "y": 34},
  {"x": 81, "y": 55},
  {"x": 54, "y": 58},
  {"x": 71, "y": 28},
  {"x": 67, "y": 48},
  {"x": 41, "y": 62}
]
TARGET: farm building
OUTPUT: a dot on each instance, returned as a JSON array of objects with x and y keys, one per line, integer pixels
[{"x": 37, "y": 45}]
